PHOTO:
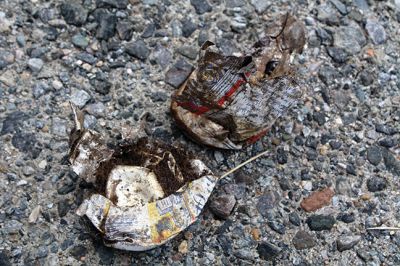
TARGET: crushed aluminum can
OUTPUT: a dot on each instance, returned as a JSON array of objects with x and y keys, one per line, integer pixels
[
  {"x": 148, "y": 192},
  {"x": 229, "y": 102}
]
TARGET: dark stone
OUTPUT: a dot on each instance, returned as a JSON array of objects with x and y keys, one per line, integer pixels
[
  {"x": 224, "y": 227},
  {"x": 51, "y": 33},
  {"x": 374, "y": 155},
  {"x": 327, "y": 14},
  {"x": 188, "y": 27},
  {"x": 294, "y": 218},
  {"x": 299, "y": 140},
  {"x": 303, "y": 240},
  {"x": 335, "y": 145},
  {"x": 63, "y": 207},
  {"x": 4, "y": 260},
  {"x": 45, "y": 14},
  {"x": 149, "y": 31},
  {"x": 388, "y": 130},
  {"x": 320, "y": 222},
  {"x": 125, "y": 30},
  {"x": 24, "y": 141},
  {"x": 222, "y": 206},
  {"x": 13, "y": 122},
  {"x": 325, "y": 95},
  {"x": 326, "y": 137},
  {"x": 66, "y": 244},
  {"x": 325, "y": 36},
  {"x": 150, "y": 117},
  {"x": 268, "y": 251},
  {"x": 281, "y": 156},
  {"x": 117, "y": 64},
  {"x": 243, "y": 178},
  {"x": 277, "y": 226},
  {"x": 39, "y": 89},
  {"x": 38, "y": 52},
  {"x": 375, "y": 184},
  {"x": 124, "y": 100},
  {"x": 364, "y": 253},
  {"x": 162, "y": 56},
  {"x": 319, "y": 117},
  {"x": 138, "y": 49},
  {"x": 360, "y": 94},
  {"x": 203, "y": 37},
  {"x": 106, "y": 254},
  {"x": 312, "y": 142},
  {"x": 106, "y": 28},
  {"x": 366, "y": 78},
  {"x": 6, "y": 58},
  {"x": 351, "y": 169},
  {"x": 73, "y": 14},
  {"x": 351, "y": 38},
  {"x": 78, "y": 251},
  {"x": 225, "y": 243},
  {"x": 267, "y": 202},
  {"x": 311, "y": 155},
  {"x": 226, "y": 46},
  {"x": 176, "y": 75},
  {"x": 391, "y": 163},
  {"x": 244, "y": 254},
  {"x": 305, "y": 174},
  {"x": 159, "y": 97},
  {"x": 284, "y": 183},
  {"x": 66, "y": 188},
  {"x": 101, "y": 86},
  {"x": 201, "y": 6},
  {"x": 313, "y": 39},
  {"x": 112, "y": 3},
  {"x": 188, "y": 51},
  {"x": 87, "y": 58},
  {"x": 389, "y": 142},
  {"x": 338, "y": 55},
  {"x": 327, "y": 74},
  {"x": 346, "y": 217}
]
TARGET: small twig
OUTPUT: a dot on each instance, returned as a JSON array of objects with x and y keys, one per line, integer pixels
[
  {"x": 384, "y": 228},
  {"x": 243, "y": 164}
]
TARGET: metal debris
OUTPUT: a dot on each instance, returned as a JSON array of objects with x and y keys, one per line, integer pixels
[
  {"x": 148, "y": 192},
  {"x": 229, "y": 102}
]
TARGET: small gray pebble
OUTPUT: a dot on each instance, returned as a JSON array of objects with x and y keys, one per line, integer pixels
[{"x": 35, "y": 64}]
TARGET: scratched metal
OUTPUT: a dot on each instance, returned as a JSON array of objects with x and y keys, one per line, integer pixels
[
  {"x": 231, "y": 101},
  {"x": 139, "y": 218}
]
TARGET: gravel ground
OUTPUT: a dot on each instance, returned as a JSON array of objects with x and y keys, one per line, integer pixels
[{"x": 334, "y": 165}]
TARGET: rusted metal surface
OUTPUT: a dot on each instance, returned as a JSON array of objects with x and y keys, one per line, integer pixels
[
  {"x": 229, "y": 102},
  {"x": 146, "y": 193}
]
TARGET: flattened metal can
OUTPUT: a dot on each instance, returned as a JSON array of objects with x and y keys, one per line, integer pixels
[
  {"x": 147, "y": 191},
  {"x": 229, "y": 102}
]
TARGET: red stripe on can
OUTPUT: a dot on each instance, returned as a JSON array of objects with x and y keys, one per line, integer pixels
[
  {"x": 232, "y": 90},
  {"x": 256, "y": 137}
]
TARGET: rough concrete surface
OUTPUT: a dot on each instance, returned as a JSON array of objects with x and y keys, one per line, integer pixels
[{"x": 120, "y": 60}]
